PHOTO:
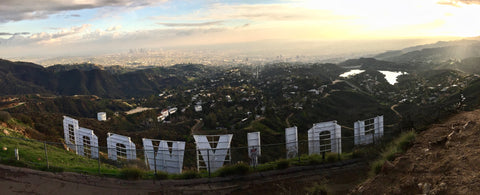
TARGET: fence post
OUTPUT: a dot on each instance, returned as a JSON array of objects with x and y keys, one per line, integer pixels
[
  {"x": 208, "y": 160},
  {"x": 298, "y": 152},
  {"x": 46, "y": 155},
  {"x": 98, "y": 151},
  {"x": 155, "y": 162},
  {"x": 373, "y": 138},
  {"x": 338, "y": 148},
  {"x": 17, "y": 157}
]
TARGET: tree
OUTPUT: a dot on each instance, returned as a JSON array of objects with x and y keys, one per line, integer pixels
[{"x": 5, "y": 116}]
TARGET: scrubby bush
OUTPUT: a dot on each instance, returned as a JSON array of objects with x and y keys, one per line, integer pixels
[
  {"x": 161, "y": 175},
  {"x": 406, "y": 140},
  {"x": 331, "y": 157},
  {"x": 314, "y": 159},
  {"x": 236, "y": 169},
  {"x": 396, "y": 147},
  {"x": 131, "y": 173},
  {"x": 191, "y": 174},
  {"x": 5, "y": 116},
  {"x": 317, "y": 189},
  {"x": 377, "y": 166},
  {"x": 54, "y": 169},
  {"x": 283, "y": 164}
]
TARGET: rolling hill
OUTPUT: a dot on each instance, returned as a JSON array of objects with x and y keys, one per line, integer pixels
[{"x": 27, "y": 78}]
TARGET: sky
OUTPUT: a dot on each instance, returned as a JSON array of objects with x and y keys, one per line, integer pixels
[{"x": 84, "y": 27}]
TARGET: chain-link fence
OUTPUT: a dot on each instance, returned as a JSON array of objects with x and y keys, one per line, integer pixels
[{"x": 94, "y": 160}]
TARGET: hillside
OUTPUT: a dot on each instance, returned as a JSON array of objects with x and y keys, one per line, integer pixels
[
  {"x": 436, "y": 52},
  {"x": 18, "y": 78},
  {"x": 443, "y": 160},
  {"x": 374, "y": 64}
]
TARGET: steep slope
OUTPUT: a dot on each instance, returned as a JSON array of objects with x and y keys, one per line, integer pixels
[
  {"x": 439, "y": 54},
  {"x": 443, "y": 160},
  {"x": 372, "y": 63},
  {"x": 27, "y": 78},
  {"x": 441, "y": 44}
]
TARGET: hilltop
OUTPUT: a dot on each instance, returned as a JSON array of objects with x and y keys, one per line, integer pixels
[{"x": 443, "y": 160}]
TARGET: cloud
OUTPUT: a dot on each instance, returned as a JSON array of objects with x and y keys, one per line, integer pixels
[
  {"x": 270, "y": 12},
  {"x": 114, "y": 28},
  {"x": 190, "y": 24},
  {"x": 15, "y": 10},
  {"x": 457, "y": 3},
  {"x": 43, "y": 37},
  {"x": 13, "y": 34}
]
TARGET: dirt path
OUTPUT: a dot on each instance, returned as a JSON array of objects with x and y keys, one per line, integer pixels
[
  {"x": 396, "y": 112},
  {"x": 286, "y": 119},
  {"x": 340, "y": 177},
  {"x": 198, "y": 125},
  {"x": 12, "y": 105},
  {"x": 443, "y": 160}
]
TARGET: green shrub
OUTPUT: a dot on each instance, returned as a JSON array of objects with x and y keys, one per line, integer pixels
[
  {"x": 396, "y": 147},
  {"x": 161, "y": 175},
  {"x": 54, "y": 169},
  {"x": 377, "y": 166},
  {"x": 283, "y": 164},
  {"x": 317, "y": 189},
  {"x": 5, "y": 116},
  {"x": 236, "y": 169},
  {"x": 358, "y": 153},
  {"x": 191, "y": 174},
  {"x": 314, "y": 159},
  {"x": 131, "y": 173},
  {"x": 390, "y": 152},
  {"x": 331, "y": 157},
  {"x": 406, "y": 140}
]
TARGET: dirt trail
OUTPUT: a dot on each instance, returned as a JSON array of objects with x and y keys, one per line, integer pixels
[
  {"x": 195, "y": 128},
  {"x": 340, "y": 177},
  {"x": 396, "y": 112},
  {"x": 443, "y": 160},
  {"x": 286, "y": 119}
]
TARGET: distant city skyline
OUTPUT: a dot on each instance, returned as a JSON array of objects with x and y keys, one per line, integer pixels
[{"x": 94, "y": 27}]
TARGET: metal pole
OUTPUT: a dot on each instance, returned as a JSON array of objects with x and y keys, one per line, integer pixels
[
  {"x": 208, "y": 159},
  {"x": 155, "y": 161},
  {"x": 98, "y": 155},
  {"x": 16, "y": 154},
  {"x": 155, "y": 164},
  {"x": 298, "y": 152},
  {"x": 338, "y": 147},
  {"x": 46, "y": 156}
]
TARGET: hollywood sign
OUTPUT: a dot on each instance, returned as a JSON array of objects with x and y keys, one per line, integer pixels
[{"x": 213, "y": 150}]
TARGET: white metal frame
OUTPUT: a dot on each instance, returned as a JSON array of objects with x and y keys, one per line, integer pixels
[
  {"x": 213, "y": 151},
  {"x": 168, "y": 155},
  {"x": 291, "y": 142},
  {"x": 86, "y": 149},
  {"x": 70, "y": 127},
  {"x": 114, "y": 145},
  {"x": 369, "y": 130},
  {"x": 254, "y": 148},
  {"x": 316, "y": 138}
]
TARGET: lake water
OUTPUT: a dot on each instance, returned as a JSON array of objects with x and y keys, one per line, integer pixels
[
  {"x": 351, "y": 73},
  {"x": 390, "y": 76}
]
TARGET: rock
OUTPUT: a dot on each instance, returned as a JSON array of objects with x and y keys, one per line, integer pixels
[
  {"x": 387, "y": 167},
  {"x": 439, "y": 142},
  {"x": 426, "y": 188},
  {"x": 439, "y": 189},
  {"x": 449, "y": 137}
]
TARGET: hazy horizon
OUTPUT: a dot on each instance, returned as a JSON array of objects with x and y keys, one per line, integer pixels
[{"x": 53, "y": 29}]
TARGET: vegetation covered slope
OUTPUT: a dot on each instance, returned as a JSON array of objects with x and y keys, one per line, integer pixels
[
  {"x": 443, "y": 160},
  {"x": 27, "y": 78}
]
